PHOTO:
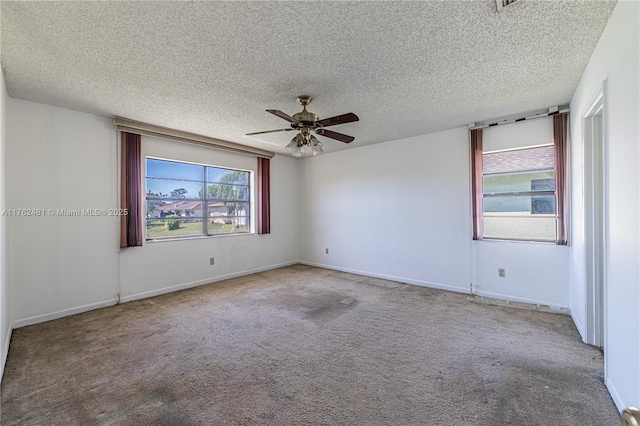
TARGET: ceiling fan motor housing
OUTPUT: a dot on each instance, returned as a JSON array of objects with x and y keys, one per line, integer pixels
[{"x": 308, "y": 119}]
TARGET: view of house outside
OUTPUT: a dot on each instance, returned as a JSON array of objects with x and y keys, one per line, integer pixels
[
  {"x": 178, "y": 204},
  {"x": 519, "y": 194}
]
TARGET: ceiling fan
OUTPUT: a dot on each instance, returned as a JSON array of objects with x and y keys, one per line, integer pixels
[{"x": 306, "y": 122}]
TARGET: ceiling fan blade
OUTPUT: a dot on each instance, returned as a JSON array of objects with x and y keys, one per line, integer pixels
[
  {"x": 335, "y": 135},
  {"x": 269, "y": 131},
  {"x": 339, "y": 119},
  {"x": 283, "y": 115}
]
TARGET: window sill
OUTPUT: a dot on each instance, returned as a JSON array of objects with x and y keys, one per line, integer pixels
[
  {"x": 198, "y": 237},
  {"x": 498, "y": 240}
]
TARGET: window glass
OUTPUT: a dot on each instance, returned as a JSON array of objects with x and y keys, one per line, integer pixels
[
  {"x": 218, "y": 175},
  {"x": 526, "y": 227},
  {"x": 173, "y": 227},
  {"x": 177, "y": 205},
  {"x": 518, "y": 188},
  {"x": 220, "y": 191},
  {"x": 501, "y": 183},
  {"x": 157, "y": 187},
  {"x": 173, "y": 170},
  {"x": 521, "y": 204}
]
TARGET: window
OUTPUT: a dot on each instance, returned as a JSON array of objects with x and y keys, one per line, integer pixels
[
  {"x": 519, "y": 179},
  {"x": 187, "y": 200},
  {"x": 518, "y": 194}
]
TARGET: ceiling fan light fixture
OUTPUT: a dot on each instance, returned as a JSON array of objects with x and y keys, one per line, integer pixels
[
  {"x": 295, "y": 146},
  {"x": 292, "y": 145},
  {"x": 316, "y": 146}
]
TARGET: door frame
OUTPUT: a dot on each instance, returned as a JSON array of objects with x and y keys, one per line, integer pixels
[{"x": 596, "y": 214}]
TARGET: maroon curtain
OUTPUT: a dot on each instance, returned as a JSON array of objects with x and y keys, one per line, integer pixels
[
  {"x": 476, "y": 182},
  {"x": 264, "y": 210},
  {"x": 560, "y": 147},
  {"x": 130, "y": 191}
]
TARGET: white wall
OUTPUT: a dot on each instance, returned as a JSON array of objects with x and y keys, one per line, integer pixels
[
  {"x": 159, "y": 267},
  {"x": 401, "y": 210},
  {"x": 615, "y": 59},
  {"x": 61, "y": 159},
  {"x": 398, "y": 210},
  {"x": 535, "y": 272},
  {"x": 5, "y": 317}
]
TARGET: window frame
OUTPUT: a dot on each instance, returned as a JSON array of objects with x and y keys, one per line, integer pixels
[
  {"x": 205, "y": 201},
  {"x": 521, "y": 194},
  {"x": 561, "y": 161}
]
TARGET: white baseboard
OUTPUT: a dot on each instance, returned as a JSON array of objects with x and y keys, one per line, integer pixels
[
  {"x": 464, "y": 290},
  {"x": 498, "y": 296},
  {"x": 76, "y": 310},
  {"x": 580, "y": 328},
  {"x": 192, "y": 284},
  {"x": 620, "y": 405},
  {"x": 63, "y": 313},
  {"x": 389, "y": 277},
  {"x": 5, "y": 351}
]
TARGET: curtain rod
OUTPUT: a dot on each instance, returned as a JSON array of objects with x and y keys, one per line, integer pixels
[
  {"x": 147, "y": 129},
  {"x": 498, "y": 122}
]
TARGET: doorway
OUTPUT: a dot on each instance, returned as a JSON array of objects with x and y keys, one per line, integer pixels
[{"x": 595, "y": 220}]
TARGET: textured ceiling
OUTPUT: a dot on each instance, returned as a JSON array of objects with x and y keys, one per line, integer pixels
[{"x": 405, "y": 68}]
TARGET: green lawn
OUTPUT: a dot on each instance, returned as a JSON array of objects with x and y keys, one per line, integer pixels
[{"x": 158, "y": 229}]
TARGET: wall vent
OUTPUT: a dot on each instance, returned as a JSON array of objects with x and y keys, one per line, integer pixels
[{"x": 501, "y": 4}]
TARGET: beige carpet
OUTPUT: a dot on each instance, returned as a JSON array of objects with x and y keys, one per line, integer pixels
[{"x": 305, "y": 346}]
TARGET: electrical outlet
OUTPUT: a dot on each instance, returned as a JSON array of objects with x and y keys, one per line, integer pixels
[
  {"x": 212, "y": 261},
  {"x": 502, "y": 272},
  {"x": 326, "y": 251}
]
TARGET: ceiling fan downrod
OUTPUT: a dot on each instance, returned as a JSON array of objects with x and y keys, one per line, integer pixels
[{"x": 305, "y": 117}]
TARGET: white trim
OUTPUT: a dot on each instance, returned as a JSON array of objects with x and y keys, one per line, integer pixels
[
  {"x": 620, "y": 405},
  {"x": 403, "y": 280},
  {"x": 596, "y": 258},
  {"x": 63, "y": 313},
  {"x": 456, "y": 289},
  {"x": 552, "y": 306},
  {"x": 595, "y": 99},
  {"x": 605, "y": 219},
  {"x": 121, "y": 217},
  {"x": 5, "y": 352},
  {"x": 580, "y": 327},
  {"x": 192, "y": 284}
]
